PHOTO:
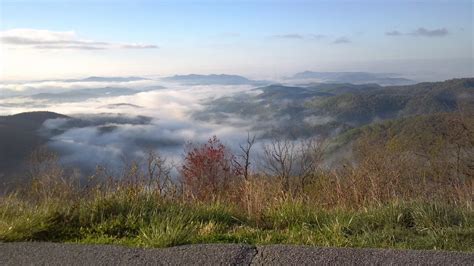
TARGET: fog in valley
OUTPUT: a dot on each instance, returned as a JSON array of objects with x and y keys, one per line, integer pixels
[{"x": 111, "y": 121}]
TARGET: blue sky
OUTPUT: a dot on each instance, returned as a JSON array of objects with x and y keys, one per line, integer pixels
[{"x": 260, "y": 38}]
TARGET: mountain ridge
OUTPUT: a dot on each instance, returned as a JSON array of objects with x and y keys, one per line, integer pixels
[{"x": 213, "y": 79}]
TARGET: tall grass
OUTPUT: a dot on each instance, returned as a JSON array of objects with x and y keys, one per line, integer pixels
[{"x": 137, "y": 216}]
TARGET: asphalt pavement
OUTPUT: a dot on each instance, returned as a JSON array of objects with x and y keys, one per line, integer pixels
[{"x": 41, "y": 253}]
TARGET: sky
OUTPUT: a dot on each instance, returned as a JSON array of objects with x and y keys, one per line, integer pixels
[{"x": 266, "y": 39}]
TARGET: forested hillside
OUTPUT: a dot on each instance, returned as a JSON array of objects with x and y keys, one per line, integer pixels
[{"x": 19, "y": 136}]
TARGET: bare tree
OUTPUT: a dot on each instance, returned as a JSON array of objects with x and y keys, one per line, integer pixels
[
  {"x": 245, "y": 155},
  {"x": 158, "y": 171},
  {"x": 48, "y": 178},
  {"x": 44, "y": 163},
  {"x": 279, "y": 159},
  {"x": 461, "y": 139},
  {"x": 293, "y": 162},
  {"x": 310, "y": 154}
]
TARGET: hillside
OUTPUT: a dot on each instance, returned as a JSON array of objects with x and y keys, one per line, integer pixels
[
  {"x": 291, "y": 111},
  {"x": 329, "y": 109},
  {"x": 431, "y": 134},
  {"x": 19, "y": 136},
  {"x": 353, "y": 77},
  {"x": 364, "y": 106},
  {"x": 407, "y": 184}
]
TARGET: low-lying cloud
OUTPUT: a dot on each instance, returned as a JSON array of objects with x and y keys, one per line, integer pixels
[
  {"x": 47, "y": 39},
  {"x": 111, "y": 130}
]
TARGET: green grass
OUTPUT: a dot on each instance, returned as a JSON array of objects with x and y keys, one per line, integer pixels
[{"x": 145, "y": 221}]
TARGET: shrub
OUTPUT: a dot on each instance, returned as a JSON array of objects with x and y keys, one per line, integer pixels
[{"x": 208, "y": 169}]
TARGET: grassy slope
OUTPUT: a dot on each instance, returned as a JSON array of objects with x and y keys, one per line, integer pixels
[{"x": 147, "y": 221}]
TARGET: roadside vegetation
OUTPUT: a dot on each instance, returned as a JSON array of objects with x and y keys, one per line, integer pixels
[{"x": 396, "y": 192}]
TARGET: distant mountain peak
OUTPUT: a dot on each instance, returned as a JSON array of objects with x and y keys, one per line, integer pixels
[
  {"x": 42, "y": 115},
  {"x": 107, "y": 79},
  {"x": 353, "y": 77},
  {"x": 213, "y": 79}
]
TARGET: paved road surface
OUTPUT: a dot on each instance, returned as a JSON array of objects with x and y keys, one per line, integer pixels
[{"x": 211, "y": 254}]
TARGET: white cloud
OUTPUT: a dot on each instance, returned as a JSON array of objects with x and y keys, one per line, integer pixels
[
  {"x": 430, "y": 33},
  {"x": 32, "y": 87},
  {"x": 393, "y": 33},
  {"x": 423, "y": 32},
  {"x": 170, "y": 108},
  {"x": 297, "y": 36},
  {"x": 46, "y": 39},
  {"x": 138, "y": 46}
]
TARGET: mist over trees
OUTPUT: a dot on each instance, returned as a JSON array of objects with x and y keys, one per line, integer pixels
[
  {"x": 404, "y": 170},
  {"x": 396, "y": 160}
]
